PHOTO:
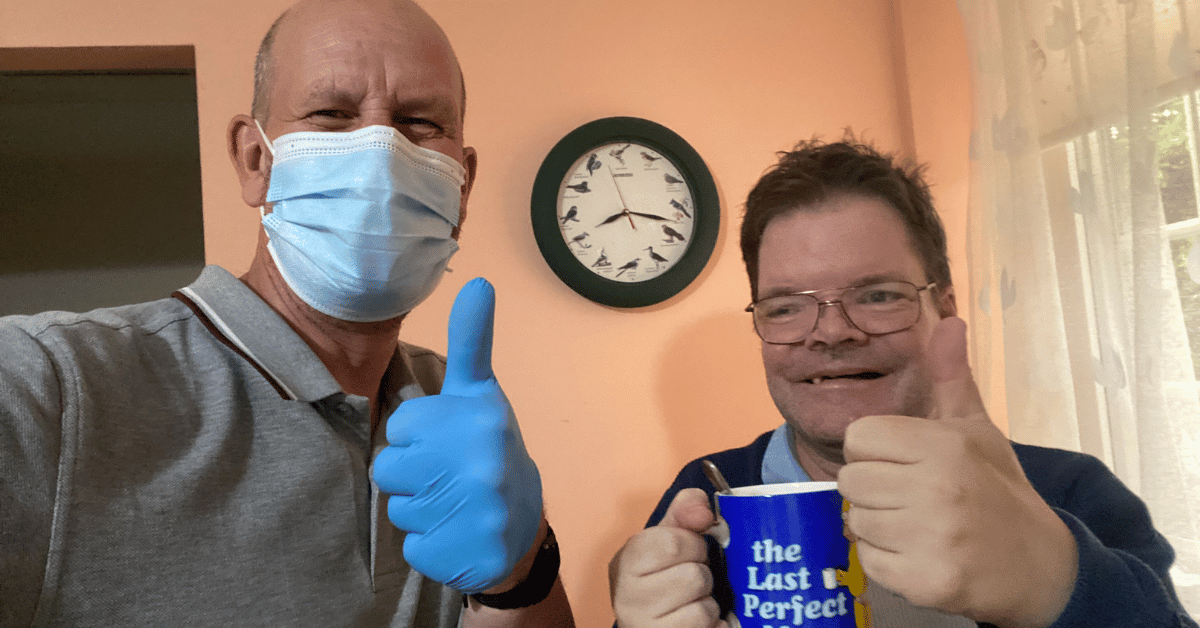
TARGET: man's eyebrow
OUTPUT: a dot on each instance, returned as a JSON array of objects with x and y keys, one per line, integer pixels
[
  {"x": 880, "y": 278},
  {"x": 861, "y": 281},
  {"x": 325, "y": 92},
  {"x": 429, "y": 104},
  {"x": 776, "y": 292},
  {"x": 443, "y": 109}
]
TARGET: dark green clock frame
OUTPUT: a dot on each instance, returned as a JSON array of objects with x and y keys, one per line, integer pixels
[{"x": 544, "y": 211}]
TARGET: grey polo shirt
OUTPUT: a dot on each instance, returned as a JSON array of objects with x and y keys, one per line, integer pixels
[{"x": 190, "y": 462}]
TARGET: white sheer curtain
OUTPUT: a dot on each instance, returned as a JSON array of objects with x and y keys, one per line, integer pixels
[{"x": 1084, "y": 283}]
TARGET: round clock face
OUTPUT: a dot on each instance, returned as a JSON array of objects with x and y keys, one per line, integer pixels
[{"x": 626, "y": 212}]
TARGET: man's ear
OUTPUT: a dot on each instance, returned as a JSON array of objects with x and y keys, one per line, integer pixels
[
  {"x": 250, "y": 159},
  {"x": 470, "y": 162},
  {"x": 946, "y": 305}
]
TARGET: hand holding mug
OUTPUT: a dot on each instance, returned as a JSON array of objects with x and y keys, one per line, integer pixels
[
  {"x": 943, "y": 512},
  {"x": 660, "y": 578}
]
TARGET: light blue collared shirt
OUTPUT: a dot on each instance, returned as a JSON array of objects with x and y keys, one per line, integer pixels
[{"x": 779, "y": 465}]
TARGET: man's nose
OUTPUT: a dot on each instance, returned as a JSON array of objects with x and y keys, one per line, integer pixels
[
  {"x": 833, "y": 326},
  {"x": 375, "y": 117},
  {"x": 384, "y": 117}
]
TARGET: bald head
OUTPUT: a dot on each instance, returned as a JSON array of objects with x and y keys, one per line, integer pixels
[{"x": 305, "y": 12}]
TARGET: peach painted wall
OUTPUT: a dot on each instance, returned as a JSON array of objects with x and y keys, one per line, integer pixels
[{"x": 612, "y": 403}]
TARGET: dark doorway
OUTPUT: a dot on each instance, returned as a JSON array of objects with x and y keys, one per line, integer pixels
[{"x": 99, "y": 177}]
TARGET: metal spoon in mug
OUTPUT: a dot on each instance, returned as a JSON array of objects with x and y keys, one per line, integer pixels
[
  {"x": 714, "y": 476},
  {"x": 719, "y": 529}
]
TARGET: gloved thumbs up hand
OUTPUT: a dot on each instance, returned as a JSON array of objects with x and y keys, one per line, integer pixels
[
  {"x": 943, "y": 512},
  {"x": 460, "y": 481}
]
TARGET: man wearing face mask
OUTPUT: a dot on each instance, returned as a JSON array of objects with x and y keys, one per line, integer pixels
[{"x": 263, "y": 450}]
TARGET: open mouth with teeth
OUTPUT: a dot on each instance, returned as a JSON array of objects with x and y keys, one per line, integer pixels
[{"x": 866, "y": 375}]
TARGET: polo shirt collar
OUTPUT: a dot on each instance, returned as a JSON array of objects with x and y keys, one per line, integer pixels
[
  {"x": 244, "y": 322},
  {"x": 779, "y": 464}
]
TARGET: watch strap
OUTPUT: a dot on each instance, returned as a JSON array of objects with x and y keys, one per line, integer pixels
[{"x": 536, "y": 585}]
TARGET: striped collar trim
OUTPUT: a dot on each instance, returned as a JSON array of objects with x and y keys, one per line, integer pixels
[
  {"x": 238, "y": 318},
  {"x": 221, "y": 332}
]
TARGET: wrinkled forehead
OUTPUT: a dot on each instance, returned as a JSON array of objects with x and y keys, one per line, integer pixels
[{"x": 335, "y": 44}]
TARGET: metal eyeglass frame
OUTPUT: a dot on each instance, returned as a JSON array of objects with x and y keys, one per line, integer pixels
[{"x": 842, "y": 306}]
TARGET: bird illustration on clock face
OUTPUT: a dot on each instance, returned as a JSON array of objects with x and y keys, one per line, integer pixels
[{"x": 629, "y": 211}]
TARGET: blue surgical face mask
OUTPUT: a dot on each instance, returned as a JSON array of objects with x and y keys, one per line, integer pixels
[{"x": 360, "y": 223}]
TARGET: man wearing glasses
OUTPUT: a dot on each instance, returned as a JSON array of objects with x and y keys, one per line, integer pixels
[{"x": 867, "y": 363}]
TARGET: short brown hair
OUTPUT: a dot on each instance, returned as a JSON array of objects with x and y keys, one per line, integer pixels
[{"x": 814, "y": 171}]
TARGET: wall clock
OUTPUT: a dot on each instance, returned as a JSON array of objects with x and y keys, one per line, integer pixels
[{"x": 625, "y": 212}]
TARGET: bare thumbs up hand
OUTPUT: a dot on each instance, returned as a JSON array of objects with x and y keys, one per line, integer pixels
[
  {"x": 942, "y": 509},
  {"x": 460, "y": 480}
]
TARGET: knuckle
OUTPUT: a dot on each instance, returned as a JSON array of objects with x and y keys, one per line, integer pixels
[
  {"x": 857, "y": 431},
  {"x": 940, "y": 587},
  {"x": 681, "y": 545},
  {"x": 656, "y": 555},
  {"x": 849, "y": 478},
  {"x": 711, "y": 610},
  {"x": 947, "y": 490},
  {"x": 648, "y": 551},
  {"x": 492, "y": 520},
  {"x": 672, "y": 544},
  {"x": 701, "y": 612},
  {"x": 853, "y": 522},
  {"x": 693, "y": 578},
  {"x": 635, "y": 547},
  {"x": 488, "y": 473}
]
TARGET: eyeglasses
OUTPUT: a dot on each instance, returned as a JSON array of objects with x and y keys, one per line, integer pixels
[{"x": 877, "y": 308}]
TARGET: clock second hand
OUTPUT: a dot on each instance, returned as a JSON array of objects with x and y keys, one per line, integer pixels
[{"x": 620, "y": 197}]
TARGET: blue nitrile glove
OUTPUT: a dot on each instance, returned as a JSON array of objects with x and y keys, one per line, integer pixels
[{"x": 460, "y": 481}]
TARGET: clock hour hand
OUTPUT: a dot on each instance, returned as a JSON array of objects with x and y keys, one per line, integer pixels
[{"x": 613, "y": 218}]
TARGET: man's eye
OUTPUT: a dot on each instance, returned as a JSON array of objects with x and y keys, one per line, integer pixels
[
  {"x": 330, "y": 113},
  {"x": 420, "y": 123},
  {"x": 880, "y": 296},
  {"x": 782, "y": 310}
]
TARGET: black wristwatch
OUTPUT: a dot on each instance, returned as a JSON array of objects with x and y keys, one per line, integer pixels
[{"x": 536, "y": 585}]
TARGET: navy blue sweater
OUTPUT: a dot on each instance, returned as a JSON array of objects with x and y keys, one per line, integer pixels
[{"x": 1123, "y": 561}]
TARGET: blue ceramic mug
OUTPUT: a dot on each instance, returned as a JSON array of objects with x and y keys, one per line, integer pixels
[{"x": 787, "y": 558}]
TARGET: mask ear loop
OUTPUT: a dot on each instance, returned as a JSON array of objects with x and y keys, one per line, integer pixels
[{"x": 262, "y": 213}]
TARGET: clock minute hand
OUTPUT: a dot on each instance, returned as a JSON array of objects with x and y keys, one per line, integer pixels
[
  {"x": 620, "y": 197},
  {"x": 651, "y": 216}
]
